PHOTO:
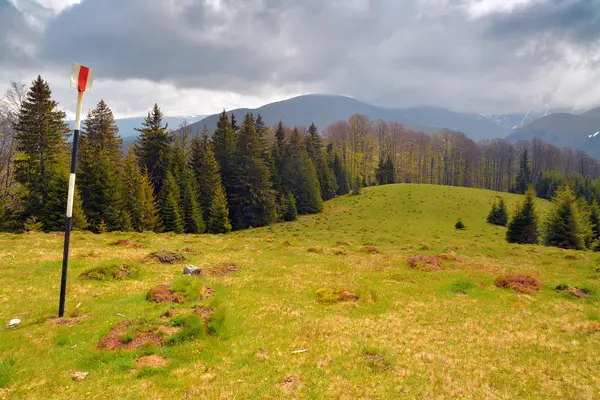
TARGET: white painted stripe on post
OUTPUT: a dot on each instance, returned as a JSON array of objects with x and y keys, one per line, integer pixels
[{"x": 70, "y": 195}]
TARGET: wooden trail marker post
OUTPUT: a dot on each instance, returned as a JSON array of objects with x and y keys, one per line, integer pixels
[{"x": 81, "y": 79}]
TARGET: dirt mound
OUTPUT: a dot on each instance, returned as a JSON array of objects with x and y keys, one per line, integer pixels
[
  {"x": 162, "y": 293},
  {"x": 166, "y": 257},
  {"x": 204, "y": 313},
  {"x": 450, "y": 256},
  {"x": 191, "y": 250},
  {"x": 519, "y": 283},
  {"x": 369, "y": 250},
  {"x": 70, "y": 321},
  {"x": 580, "y": 293},
  {"x": 315, "y": 250},
  {"x": 114, "y": 272},
  {"x": 126, "y": 335},
  {"x": 341, "y": 252},
  {"x": 127, "y": 243},
  {"x": 222, "y": 269},
  {"x": 290, "y": 383},
  {"x": 152, "y": 361},
  {"x": 331, "y": 296},
  {"x": 377, "y": 361},
  {"x": 423, "y": 263}
]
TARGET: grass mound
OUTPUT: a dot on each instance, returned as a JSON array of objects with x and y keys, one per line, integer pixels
[
  {"x": 423, "y": 263},
  {"x": 369, "y": 250},
  {"x": 127, "y": 243},
  {"x": 162, "y": 293},
  {"x": 580, "y": 293},
  {"x": 130, "y": 334},
  {"x": 114, "y": 272},
  {"x": 520, "y": 283},
  {"x": 332, "y": 296},
  {"x": 166, "y": 257}
]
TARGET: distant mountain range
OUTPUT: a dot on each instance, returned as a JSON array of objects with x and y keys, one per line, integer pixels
[
  {"x": 579, "y": 131},
  {"x": 324, "y": 110}
]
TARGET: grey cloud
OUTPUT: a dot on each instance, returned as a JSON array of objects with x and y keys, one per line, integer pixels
[{"x": 392, "y": 52}]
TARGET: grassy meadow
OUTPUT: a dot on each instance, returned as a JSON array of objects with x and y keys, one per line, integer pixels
[{"x": 447, "y": 333}]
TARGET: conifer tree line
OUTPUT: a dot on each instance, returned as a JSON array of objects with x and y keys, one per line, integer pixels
[{"x": 241, "y": 176}]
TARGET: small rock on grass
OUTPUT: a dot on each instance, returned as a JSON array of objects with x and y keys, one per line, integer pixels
[
  {"x": 79, "y": 376},
  {"x": 13, "y": 323},
  {"x": 192, "y": 270}
]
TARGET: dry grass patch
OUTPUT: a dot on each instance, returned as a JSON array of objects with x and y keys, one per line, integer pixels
[
  {"x": 151, "y": 361},
  {"x": 369, "y": 250},
  {"x": 221, "y": 269},
  {"x": 520, "y": 283},
  {"x": 332, "y": 296},
  {"x": 127, "y": 243}
]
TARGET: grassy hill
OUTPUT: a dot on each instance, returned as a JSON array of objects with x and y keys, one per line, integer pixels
[{"x": 276, "y": 332}]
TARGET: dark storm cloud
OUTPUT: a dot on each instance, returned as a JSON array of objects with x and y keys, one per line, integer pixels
[
  {"x": 575, "y": 20},
  {"x": 394, "y": 52}
]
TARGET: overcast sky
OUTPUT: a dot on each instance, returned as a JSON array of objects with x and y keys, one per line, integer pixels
[{"x": 200, "y": 56}]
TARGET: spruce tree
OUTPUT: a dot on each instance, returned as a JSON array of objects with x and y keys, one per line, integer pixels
[
  {"x": 523, "y": 226},
  {"x": 219, "y": 213},
  {"x": 153, "y": 148},
  {"x": 169, "y": 205},
  {"x": 289, "y": 212},
  {"x": 498, "y": 215},
  {"x": 234, "y": 124},
  {"x": 41, "y": 141},
  {"x": 277, "y": 160},
  {"x": 583, "y": 215},
  {"x": 252, "y": 201},
  {"x": 524, "y": 176},
  {"x": 206, "y": 172},
  {"x": 314, "y": 148},
  {"x": 99, "y": 177},
  {"x": 595, "y": 220},
  {"x": 300, "y": 177},
  {"x": 561, "y": 228}
]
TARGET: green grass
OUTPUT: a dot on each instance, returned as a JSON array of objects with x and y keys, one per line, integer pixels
[{"x": 447, "y": 333}]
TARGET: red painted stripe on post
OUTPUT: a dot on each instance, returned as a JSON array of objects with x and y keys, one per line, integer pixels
[{"x": 82, "y": 79}]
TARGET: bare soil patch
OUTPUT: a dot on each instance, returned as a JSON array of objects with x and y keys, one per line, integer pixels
[
  {"x": 70, "y": 321},
  {"x": 315, "y": 250},
  {"x": 520, "y": 283}
]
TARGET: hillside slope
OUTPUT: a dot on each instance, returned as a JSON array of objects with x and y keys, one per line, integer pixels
[{"x": 445, "y": 332}]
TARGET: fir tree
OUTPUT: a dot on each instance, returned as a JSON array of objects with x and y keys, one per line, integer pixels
[
  {"x": 170, "y": 210},
  {"x": 234, "y": 124},
  {"x": 524, "y": 176},
  {"x": 561, "y": 228},
  {"x": 252, "y": 201},
  {"x": 289, "y": 212},
  {"x": 341, "y": 175},
  {"x": 219, "y": 213},
  {"x": 190, "y": 210},
  {"x": 56, "y": 205},
  {"x": 386, "y": 171},
  {"x": 300, "y": 177},
  {"x": 583, "y": 215},
  {"x": 41, "y": 141},
  {"x": 206, "y": 172},
  {"x": 277, "y": 160},
  {"x": 523, "y": 226},
  {"x": 595, "y": 220},
  {"x": 223, "y": 145},
  {"x": 314, "y": 148},
  {"x": 99, "y": 178},
  {"x": 139, "y": 196},
  {"x": 498, "y": 215},
  {"x": 153, "y": 148}
]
